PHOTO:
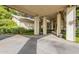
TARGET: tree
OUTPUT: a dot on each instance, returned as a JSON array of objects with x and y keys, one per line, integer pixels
[{"x": 4, "y": 13}]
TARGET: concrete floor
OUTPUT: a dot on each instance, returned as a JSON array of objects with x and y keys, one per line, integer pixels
[{"x": 49, "y": 44}]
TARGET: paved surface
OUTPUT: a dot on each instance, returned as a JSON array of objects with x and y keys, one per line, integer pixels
[
  {"x": 5, "y": 36},
  {"x": 53, "y": 45},
  {"x": 12, "y": 45},
  {"x": 37, "y": 45}
]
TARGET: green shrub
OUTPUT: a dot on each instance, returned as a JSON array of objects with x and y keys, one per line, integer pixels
[
  {"x": 24, "y": 31},
  {"x": 77, "y": 33},
  {"x": 7, "y": 26},
  {"x": 77, "y": 39},
  {"x": 64, "y": 34},
  {"x": 17, "y": 30},
  {"x": 4, "y": 13}
]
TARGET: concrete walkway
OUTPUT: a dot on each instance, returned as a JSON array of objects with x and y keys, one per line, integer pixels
[
  {"x": 12, "y": 45},
  {"x": 49, "y": 44},
  {"x": 54, "y": 45}
]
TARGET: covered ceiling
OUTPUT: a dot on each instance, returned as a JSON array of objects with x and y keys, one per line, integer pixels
[{"x": 41, "y": 10}]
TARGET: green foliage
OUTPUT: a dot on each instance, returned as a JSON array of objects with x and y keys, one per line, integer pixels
[
  {"x": 77, "y": 12},
  {"x": 64, "y": 34},
  {"x": 77, "y": 39},
  {"x": 17, "y": 30},
  {"x": 7, "y": 23},
  {"x": 77, "y": 36},
  {"x": 12, "y": 11},
  {"x": 7, "y": 26},
  {"x": 77, "y": 33},
  {"x": 4, "y": 13}
]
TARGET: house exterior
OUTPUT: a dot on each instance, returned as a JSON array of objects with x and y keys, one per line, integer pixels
[
  {"x": 61, "y": 17},
  {"x": 24, "y": 22}
]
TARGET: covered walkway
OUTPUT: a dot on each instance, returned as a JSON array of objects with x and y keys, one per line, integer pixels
[
  {"x": 54, "y": 18},
  {"x": 37, "y": 45}
]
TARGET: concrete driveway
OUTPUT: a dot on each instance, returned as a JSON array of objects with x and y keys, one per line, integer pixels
[{"x": 49, "y": 44}]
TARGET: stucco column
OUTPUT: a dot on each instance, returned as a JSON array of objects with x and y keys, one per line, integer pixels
[
  {"x": 52, "y": 24},
  {"x": 58, "y": 24},
  {"x": 36, "y": 25},
  {"x": 44, "y": 25},
  {"x": 70, "y": 23}
]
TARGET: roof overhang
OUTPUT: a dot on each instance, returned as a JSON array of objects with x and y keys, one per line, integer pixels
[{"x": 41, "y": 10}]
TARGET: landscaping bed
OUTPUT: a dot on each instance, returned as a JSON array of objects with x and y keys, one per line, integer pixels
[
  {"x": 77, "y": 36},
  {"x": 7, "y": 26}
]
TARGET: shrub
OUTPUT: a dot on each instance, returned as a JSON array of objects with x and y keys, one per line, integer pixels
[
  {"x": 7, "y": 26},
  {"x": 64, "y": 34},
  {"x": 77, "y": 33},
  {"x": 17, "y": 30}
]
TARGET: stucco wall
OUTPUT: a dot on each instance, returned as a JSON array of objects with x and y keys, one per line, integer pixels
[{"x": 25, "y": 23}]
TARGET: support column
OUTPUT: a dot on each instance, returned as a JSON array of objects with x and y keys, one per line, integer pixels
[
  {"x": 52, "y": 24},
  {"x": 44, "y": 25},
  {"x": 36, "y": 25},
  {"x": 58, "y": 24},
  {"x": 70, "y": 23}
]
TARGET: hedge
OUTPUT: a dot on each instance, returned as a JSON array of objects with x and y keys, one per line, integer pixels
[{"x": 17, "y": 30}]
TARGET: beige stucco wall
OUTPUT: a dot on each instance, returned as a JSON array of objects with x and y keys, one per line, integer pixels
[{"x": 25, "y": 23}]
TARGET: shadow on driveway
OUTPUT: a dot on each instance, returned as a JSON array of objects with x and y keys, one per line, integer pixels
[
  {"x": 5, "y": 36},
  {"x": 31, "y": 46}
]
